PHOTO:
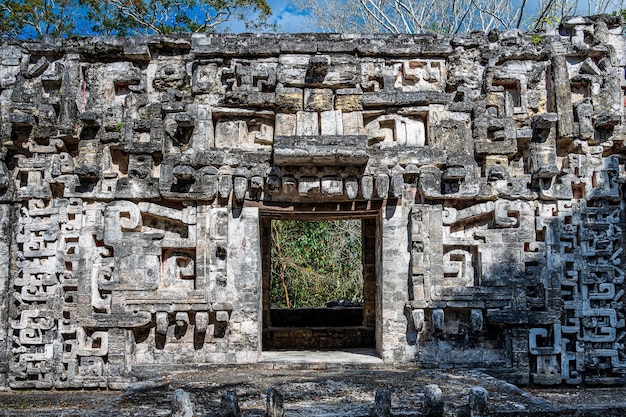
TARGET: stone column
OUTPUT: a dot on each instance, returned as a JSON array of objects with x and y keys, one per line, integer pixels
[
  {"x": 393, "y": 285},
  {"x": 245, "y": 282}
]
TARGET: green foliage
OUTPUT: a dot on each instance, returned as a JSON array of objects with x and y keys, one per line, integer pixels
[
  {"x": 36, "y": 18},
  {"x": 315, "y": 262},
  {"x": 535, "y": 39},
  {"x": 168, "y": 16}
]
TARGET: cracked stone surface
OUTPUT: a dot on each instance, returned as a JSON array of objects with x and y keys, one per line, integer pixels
[{"x": 139, "y": 178}]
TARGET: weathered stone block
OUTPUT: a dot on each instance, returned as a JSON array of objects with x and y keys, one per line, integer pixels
[{"x": 433, "y": 401}]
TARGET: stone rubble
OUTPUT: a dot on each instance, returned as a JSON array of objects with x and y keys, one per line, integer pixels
[{"x": 182, "y": 406}]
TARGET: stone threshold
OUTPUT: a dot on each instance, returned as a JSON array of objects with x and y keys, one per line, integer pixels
[{"x": 344, "y": 356}]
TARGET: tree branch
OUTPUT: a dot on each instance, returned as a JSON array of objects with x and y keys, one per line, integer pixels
[
  {"x": 389, "y": 25},
  {"x": 521, "y": 14},
  {"x": 489, "y": 13}
]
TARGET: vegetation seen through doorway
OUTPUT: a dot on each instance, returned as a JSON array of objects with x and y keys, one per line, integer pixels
[{"x": 315, "y": 262}]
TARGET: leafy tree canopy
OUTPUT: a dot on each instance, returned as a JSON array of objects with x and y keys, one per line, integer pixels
[{"x": 36, "y": 18}]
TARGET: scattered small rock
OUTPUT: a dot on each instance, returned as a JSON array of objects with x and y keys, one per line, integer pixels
[
  {"x": 433, "y": 401},
  {"x": 479, "y": 402},
  {"x": 230, "y": 406},
  {"x": 274, "y": 403},
  {"x": 382, "y": 403},
  {"x": 182, "y": 406}
]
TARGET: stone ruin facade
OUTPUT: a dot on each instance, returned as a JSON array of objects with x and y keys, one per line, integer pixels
[{"x": 139, "y": 178}]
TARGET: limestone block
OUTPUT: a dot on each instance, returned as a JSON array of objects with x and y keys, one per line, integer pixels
[
  {"x": 332, "y": 186},
  {"x": 182, "y": 406},
  {"x": 240, "y": 188},
  {"x": 349, "y": 100},
  {"x": 398, "y": 130},
  {"x": 563, "y": 96},
  {"x": 397, "y": 185},
  {"x": 230, "y": 133},
  {"x": 476, "y": 320},
  {"x": 318, "y": 100},
  {"x": 543, "y": 157},
  {"x": 244, "y": 75},
  {"x": 142, "y": 136},
  {"x": 94, "y": 344},
  {"x": 292, "y": 69},
  {"x": 137, "y": 52},
  {"x": 274, "y": 403},
  {"x": 327, "y": 150},
  {"x": 331, "y": 123},
  {"x": 285, "y": 124},
  {"x": 289, "y": 100},
  {"x": 382, "y": 403},
  {"x": 37, "y": 68},
  {"x": 289, "y": 185},
  {"x": 351, "y": 187},
  {"x": 343, "y": 71},
  {"x": 256, "y": 186},
  {"x": 548, "y": 370},
  {"x": 437, "y": 316},
  {"x": 496, "y": 167},
  {"x": 162, "y": 322},
  {"x": 309, "y": 186},
  {"x": 433, "y": 401},
  {"x": 352, "y": 123},
  {"x": 382, "y": 185},
  {"x": 307, "y": 123},
  {"x": 8, "y": 76},
  {"x": 367, "y": 187},
  {"x": 169, "y": 74},
  {"x": 181, "y": 319},
  {"x": 222, "y": 316},
  {"x": 11, "y": 55},
  {"x": 430, "y": 181},
  {"x": 417, "y": 316},
  {"x": 225, "y": 185},
  {"x": 140, "y": 167},
  {"x": 87, "y": 163},
  {"x": 421, "y": 74},
  {"x": 479, "y": 402},
  {"x": 229, "y": 406},
  {"x": 202, "y": 321},
  {"x": 207, "y": 182}
]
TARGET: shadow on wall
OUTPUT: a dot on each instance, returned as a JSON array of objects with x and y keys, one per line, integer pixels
[{"x": 539, "y": 301}]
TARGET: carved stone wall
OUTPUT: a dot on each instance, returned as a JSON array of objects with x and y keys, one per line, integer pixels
[{"x": 137, "y": 173}]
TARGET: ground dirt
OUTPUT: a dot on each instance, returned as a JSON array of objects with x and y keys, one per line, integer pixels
[{"x": 318, "y": 391}]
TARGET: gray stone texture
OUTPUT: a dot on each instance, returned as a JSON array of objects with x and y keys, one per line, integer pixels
[
  {"x": 382, "y": 403},
  {"x": 274, "y": 403},
  {"x": 138, "y": 175},
  {"x": 478, "y": 402},
  {"x": 181, "y": 404},
  {"x": 433, "y": 401}
]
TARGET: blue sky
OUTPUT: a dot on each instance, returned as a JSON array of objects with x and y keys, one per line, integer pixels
[
  {"x": 287, "y": 17},
  {"x": 290, "y": 20}
]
